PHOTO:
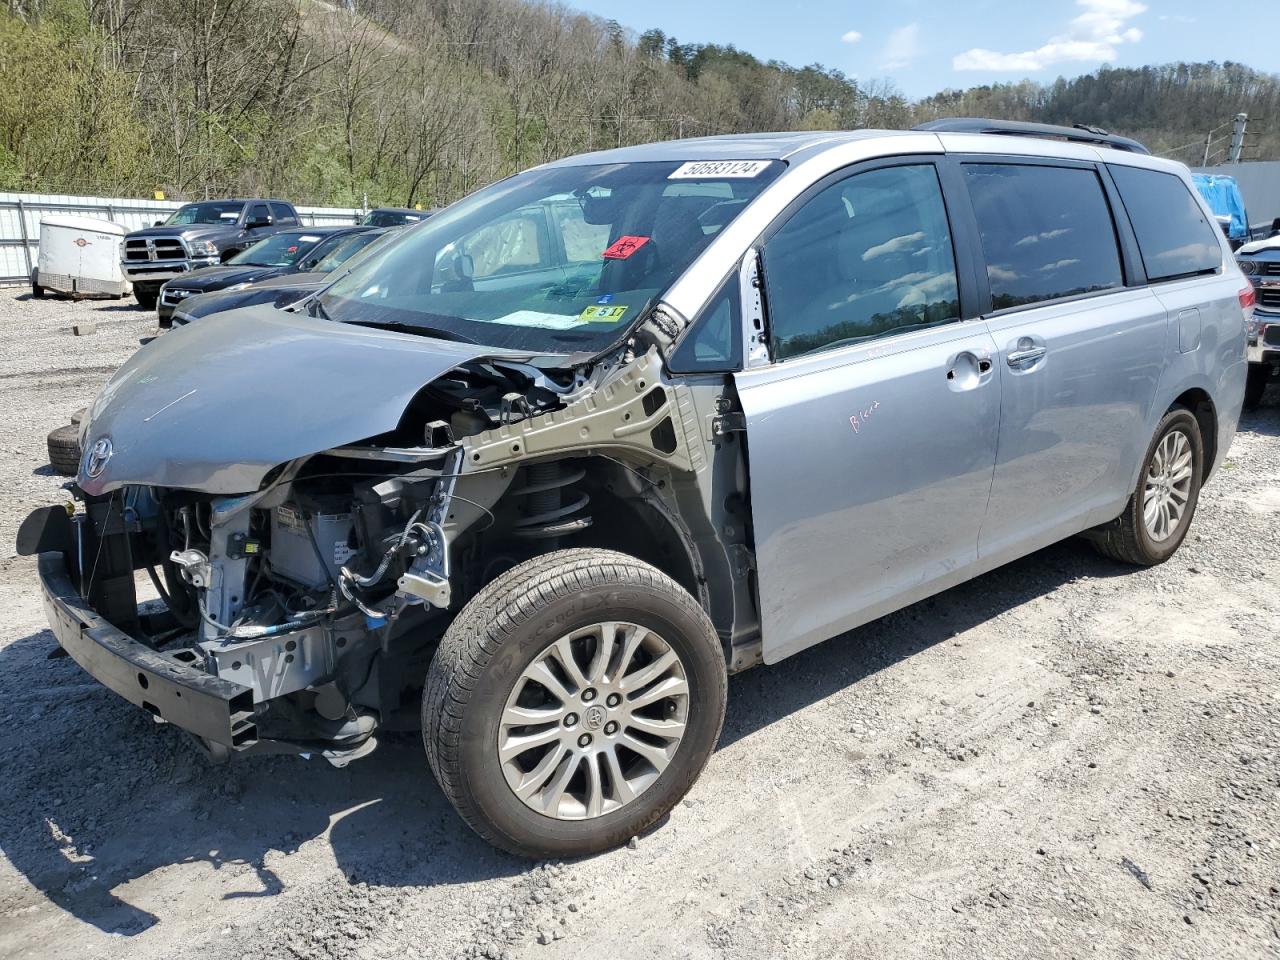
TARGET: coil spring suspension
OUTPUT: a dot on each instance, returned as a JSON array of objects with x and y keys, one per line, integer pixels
[{"x": 547, "y": 516}]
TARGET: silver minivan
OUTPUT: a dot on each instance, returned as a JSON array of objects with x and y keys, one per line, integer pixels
[{"x": 542, "y": 473}]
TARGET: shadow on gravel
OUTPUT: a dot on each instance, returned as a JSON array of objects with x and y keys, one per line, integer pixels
[
  {"x": 1266, "y": 419},
  {"x": 762, "y": 696},
  {"x": 99, "y": 795}
]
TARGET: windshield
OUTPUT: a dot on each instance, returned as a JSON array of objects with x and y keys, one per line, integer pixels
[
  {"x": 391, "y": 218},
  {"x": 553, "y": 260},
  {"x": 215, "y": 212},
  {"x": 336, "y": 254},
  {"x": 278, "y": 250}
]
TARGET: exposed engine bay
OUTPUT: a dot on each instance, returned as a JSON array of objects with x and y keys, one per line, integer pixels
[{"x": 325, "y": 591}]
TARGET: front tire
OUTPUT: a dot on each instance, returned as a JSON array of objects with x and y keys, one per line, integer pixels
[
  {"x": 573, "y": 703},
  {"x": 1158, "y": 515},
  {"x": 146, "y": 298}
]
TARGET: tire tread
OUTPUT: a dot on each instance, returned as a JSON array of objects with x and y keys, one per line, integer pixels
[{"x": 487, "y": 621}]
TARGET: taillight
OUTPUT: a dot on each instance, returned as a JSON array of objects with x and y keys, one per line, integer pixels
[{"x": 1248, "y": 300}]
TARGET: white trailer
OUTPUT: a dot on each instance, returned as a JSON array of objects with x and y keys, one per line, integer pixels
[{"x": 80, "y": 257}]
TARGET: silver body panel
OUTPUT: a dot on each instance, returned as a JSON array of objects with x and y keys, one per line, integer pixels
[
  {"x": 213, "y": 406},
  {"x": 870, "y": 472}
]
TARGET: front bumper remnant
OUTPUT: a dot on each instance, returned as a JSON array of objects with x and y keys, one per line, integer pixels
[{"x": 211, "y": 708}]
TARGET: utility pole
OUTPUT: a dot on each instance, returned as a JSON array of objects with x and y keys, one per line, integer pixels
[
  {"x": 1237, "y": 137},
  {"x": 1208, "y": 142}
]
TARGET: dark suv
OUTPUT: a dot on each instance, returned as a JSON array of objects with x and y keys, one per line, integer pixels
[
  {"x": 198, "y": 235},
  {"x": 286, "y": 252}
]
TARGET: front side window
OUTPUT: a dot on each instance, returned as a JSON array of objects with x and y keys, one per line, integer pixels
[
  {"x": 868, "y": 256},
  {"x": 213, "y": 212},
  {"x": 278, "y": 250},
  {"x": 259, "y": 213},
  {"x": 553, "y": 260},
  {"x": 1046, "y": 232},
  {"x": 1175, "y": 237}
]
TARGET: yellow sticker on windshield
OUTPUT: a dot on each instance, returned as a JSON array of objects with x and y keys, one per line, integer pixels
[{"x": 602, "y": 314}]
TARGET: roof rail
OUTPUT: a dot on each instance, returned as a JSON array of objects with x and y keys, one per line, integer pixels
[{"x": 1017, "y": 128}]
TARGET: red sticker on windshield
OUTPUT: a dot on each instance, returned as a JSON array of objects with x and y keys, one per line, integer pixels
[
  {"x": 293, "y": 249},
  {"x": 624, "y": 247}
]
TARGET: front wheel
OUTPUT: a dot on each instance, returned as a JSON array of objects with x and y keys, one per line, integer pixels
[
  {"x": 573, "y": 702},
  {"x": 146, "y": 298},
  {"x": 1158, "y": 515}
]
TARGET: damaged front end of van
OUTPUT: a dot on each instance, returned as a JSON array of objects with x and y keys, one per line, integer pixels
[{"x": 313, "y": 502}]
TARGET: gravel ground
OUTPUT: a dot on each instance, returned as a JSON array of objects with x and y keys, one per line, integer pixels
[{"x": 1063, "y": 758}]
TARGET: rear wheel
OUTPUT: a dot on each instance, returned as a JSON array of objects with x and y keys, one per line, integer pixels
[
  {"x": 1159, "y": 512},
  {"x": 573, "y": 702},
  {"x": 64, "y": 450},
  {"x": 1256, "y": 385}
]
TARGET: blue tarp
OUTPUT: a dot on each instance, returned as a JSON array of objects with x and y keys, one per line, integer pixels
[{"x": 1222, "y": 193}]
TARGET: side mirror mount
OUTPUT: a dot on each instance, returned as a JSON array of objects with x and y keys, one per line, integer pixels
[
  {"x": 256, "y": 222},
  {"x": 158, "y": 223}
]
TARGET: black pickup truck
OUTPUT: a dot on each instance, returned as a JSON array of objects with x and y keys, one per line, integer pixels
[{"x": 198, "y": 235}]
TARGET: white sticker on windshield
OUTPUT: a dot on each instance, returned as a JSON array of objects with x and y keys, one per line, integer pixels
[
  {"x": 229, "y": 216},
  {"x": 544, "y": 321},
  {"x": 308, "y": 239},
  {"x": 718, "y": 169}
]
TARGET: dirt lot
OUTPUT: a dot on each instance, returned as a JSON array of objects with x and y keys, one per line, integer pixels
[{"x": 1064, "y": 758}]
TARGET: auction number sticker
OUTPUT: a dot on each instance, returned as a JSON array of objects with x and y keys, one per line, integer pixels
[
  {"x": 602, "y": 314},
  {"x": 719, "y": 169}
]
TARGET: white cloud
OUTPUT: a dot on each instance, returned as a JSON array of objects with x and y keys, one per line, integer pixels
[
  {"x": 901, "y": 48},
  {"x": 1092, "y": 36},
  {"x": 1057, "y": 265},
  {"x": 853, "y": 36}
]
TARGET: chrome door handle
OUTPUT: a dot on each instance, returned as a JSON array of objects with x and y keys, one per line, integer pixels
[{"x": 1024, "y": 358}]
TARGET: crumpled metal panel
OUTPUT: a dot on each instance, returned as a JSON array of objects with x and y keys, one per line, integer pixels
[
  {"x": 213, "y": 406},
  {"x": 633, "y": 412}
]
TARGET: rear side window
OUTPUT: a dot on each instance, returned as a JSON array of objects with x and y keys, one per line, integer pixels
[
  {"x": 1046, "y": 232},
  {"x": 283, "y": 214},
  {"x": 1175, "y": 237}
]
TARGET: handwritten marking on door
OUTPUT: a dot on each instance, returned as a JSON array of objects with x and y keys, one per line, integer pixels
[{"x": 860, "y": 418}]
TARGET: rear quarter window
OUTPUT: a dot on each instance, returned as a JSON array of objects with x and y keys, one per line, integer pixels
[{"x": 1174, "y": 236}]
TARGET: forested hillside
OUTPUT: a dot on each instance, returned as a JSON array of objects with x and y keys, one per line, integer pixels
[{"x": 421, "y": 101}]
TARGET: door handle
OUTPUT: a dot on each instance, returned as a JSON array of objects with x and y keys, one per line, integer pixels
[{"x": 1025, "y": 358}]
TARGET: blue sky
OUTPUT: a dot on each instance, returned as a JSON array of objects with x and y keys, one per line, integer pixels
[{"x": 926, "y": 45}]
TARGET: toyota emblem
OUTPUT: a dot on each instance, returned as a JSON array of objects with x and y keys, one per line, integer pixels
[{"x": 99, "y": 454}]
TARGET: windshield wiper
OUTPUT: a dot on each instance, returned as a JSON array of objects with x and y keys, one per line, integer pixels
[
  {"x": 316, "y": 309},
  {"x": 421, "y": 329}
]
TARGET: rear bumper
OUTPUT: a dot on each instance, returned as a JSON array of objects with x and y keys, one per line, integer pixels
[
  {"x": 80, "y": 286},
  {"x": 213, "y": 709}
]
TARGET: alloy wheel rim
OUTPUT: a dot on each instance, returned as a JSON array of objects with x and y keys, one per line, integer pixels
[
  {"x": 593, "y": 721},
  {"x": 1167, "y": 491}
]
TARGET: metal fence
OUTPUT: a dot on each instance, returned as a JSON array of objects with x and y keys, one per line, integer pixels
[{"x": 20, "y": 215}]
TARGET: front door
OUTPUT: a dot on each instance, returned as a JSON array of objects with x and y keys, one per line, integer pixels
[{"x": 872, "y": 430}]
